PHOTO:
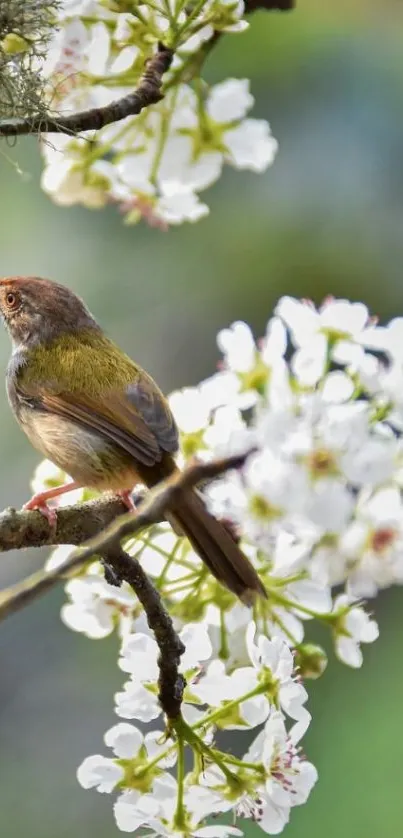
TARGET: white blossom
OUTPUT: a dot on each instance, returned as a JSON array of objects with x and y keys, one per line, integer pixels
[
  {"x": 158, "y": 161},
  {"x": 289, "y": 778},
  {"x": 96, "y": 607},
  {"x": 238, "y": 347},
  {"x": 275, "y": 656},
  {"x": 99, "y": 772},
  {"x": 354, "y": 626}
]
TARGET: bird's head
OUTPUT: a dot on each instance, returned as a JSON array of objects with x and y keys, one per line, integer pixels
[{"x": 37, "y": 310}]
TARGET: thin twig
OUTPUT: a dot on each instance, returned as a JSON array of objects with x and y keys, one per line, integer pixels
[
  {"x": 147, "y": 93},
  {"x": 171, "y": 683}
]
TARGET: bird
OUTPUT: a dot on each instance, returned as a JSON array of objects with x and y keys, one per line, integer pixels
[{"x": 98, "y": 416}]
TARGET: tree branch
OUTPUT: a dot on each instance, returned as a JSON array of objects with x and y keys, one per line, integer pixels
[
  {"x": 76, "y": 523},
  {"x": 147, "y": 93},
  {"x": 171, "y": 683},
  {"x": 270, "y": 5}
]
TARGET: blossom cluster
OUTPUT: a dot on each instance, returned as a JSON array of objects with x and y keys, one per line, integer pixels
[
  {"x": 318, "y": 509},
  {"x": 271, "y": 777},
  {"x": 154, "y": 165}
]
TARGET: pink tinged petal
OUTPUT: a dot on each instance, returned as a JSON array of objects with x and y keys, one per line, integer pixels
[
  {"x": 126, "y": 740},
  {"x": 99, "y": 772}
]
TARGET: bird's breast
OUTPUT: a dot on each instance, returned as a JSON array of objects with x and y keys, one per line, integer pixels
[{"x": 86, "y": 456}]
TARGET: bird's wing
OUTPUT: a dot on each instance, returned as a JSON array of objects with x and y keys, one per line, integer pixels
[{"x": 138, "y": 420}]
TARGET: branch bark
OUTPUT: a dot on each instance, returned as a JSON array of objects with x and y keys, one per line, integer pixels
[{"x": 147, "y": 93}]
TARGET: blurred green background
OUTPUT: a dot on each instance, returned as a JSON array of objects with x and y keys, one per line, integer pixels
[{"x": 327, "y": 218}]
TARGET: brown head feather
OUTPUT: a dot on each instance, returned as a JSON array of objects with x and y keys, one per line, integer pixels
[{"x": 37, "y": 309}]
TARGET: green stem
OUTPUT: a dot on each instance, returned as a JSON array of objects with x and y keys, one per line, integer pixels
[
  {"x": 195, "y": 742},
  {"x": 187, "y": 733},
  {"x": 288, "y": 603},
  {"x": 240, "y": 763},
  {"x": 224, "y": 650},
  {"x": 171, "y": 17},
  {"x": 210, "y": 718},
  {"x": 167, "y": 565},
  {"x": 279, "y": 621},
  {"x": 179, "y": 817},
  {"x": 197, "y": 8}
]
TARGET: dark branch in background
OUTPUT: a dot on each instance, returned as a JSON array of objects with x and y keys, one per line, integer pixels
[
  {"x": 75, "y": 523},
  {"x": 270, "y": 5},
  {"x": 147, "y": 93}
]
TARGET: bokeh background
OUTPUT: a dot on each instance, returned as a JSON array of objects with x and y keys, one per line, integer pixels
[{"x": 327, "y": 218}]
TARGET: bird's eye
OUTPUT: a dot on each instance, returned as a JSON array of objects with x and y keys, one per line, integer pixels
[{"x": 11, "y": 300}]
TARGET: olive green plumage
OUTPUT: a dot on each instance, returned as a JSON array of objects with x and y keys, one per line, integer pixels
[
  {"x": 95, "y": 413},
  {"x": 87, "y": 363}
]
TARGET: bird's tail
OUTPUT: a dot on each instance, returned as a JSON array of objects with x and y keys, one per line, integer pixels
[{"x": 216, "y": 547}]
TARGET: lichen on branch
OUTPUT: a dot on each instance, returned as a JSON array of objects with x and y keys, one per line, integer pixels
[{"x": 25, "y": 30}]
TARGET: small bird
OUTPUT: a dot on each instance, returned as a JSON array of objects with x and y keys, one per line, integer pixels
[{"x": 91, "y": 410}]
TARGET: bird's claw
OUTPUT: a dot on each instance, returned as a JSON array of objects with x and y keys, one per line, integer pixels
[
  {"x": 126, "y": 497},
  {"x": 47, "y": 511}
]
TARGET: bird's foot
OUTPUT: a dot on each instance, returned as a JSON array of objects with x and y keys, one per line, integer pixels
[
  {"x": 126, "y": 497},
  {"x": 39, "y": 501},
  {"x": 47, "y": 511}
]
